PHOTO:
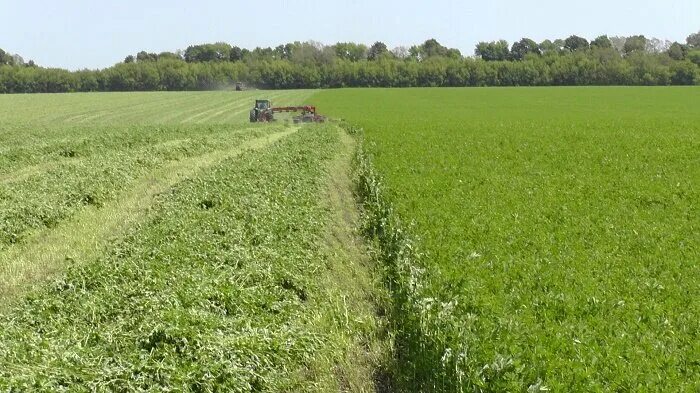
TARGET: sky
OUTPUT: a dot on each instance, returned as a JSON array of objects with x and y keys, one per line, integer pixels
[{"x": 92, "y": 34}]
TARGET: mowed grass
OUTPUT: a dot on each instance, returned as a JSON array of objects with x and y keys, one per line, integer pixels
[
  {"x": 138, "y": 108},
  {"x": 161, "y": 242},
  {"x": 63, "y": 154},
  {"x": 564, "y": 222},
  {"x": 211, "y": 293}
]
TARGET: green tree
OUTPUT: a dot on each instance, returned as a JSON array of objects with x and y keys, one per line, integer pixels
[
  {"x": 414, "y": 52},
  {"x": 401, "y": 52},
  {"x": 377, "y": 51},
  {"x": 279, "y": 53},
  {"x": 6, "y": 58},
  {"x": 236, "y": 54},
  {"x": 559, "y": 44},
  {"x": 454, "y": 53},
  {"x": 350, "y": 51},
  {"x": 575, "y": 43},
  {"x": 618, "y": 43},
  {"x": 313, "y": 65},
  {"x": 17, "y": 60},
  {"x": 655, "y": 45},
  {"x": 602, "y": 42},
  {"x": 637, "y": 43},
  {"x": 145, "y": 56},
  {"x": 167, "y": 56},
  {"x": 524, "y": 47},
  {"x": 547, "y": 46},
  {"x": 261, "y": 54},
  {"x": 677, "y": 51},
  {"x": 694, "y": 57},
  {"x": 432, "y": 48},
  {"x": 693, "y": 41},
  {"x": 685, "y": 73},
  {"x": 312, "y": 53},
  {"x": 493, "y": 51},
  {"x": 208, "y": 52}
]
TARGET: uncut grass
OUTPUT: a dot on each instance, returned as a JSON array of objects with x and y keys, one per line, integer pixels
[
  {"x": 565, "y": 222},
  {"x": 215, "y": 292}
]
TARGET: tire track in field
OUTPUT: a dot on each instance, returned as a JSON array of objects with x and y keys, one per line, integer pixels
[
  {"x": 117, "y": 107},
  {"x": 240, "y": 107},
  {"x": 349, "y": 289},
  {"x": 175, "y": 116},
  {"x": 27, "y": 172},
  {"x": 153, "y": 109},
  {"x": 232, "y": 112},
  {"x": 134, "y": 107},
  {"x": 219, "y": 108},
  {"x": 113, "y": 105},
  {"x": 86, "y": 235}
]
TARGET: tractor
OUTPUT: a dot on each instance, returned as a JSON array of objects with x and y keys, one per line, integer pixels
[
  {"x": 261, "y": 112},
  {"x": 265, "y": 112}
]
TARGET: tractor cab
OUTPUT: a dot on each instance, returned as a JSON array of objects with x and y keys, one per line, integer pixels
[
  {"x": 263, "y": 105},
  {"x": 262, "y": 111}
]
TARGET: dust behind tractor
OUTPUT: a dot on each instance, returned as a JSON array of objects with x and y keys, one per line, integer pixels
[{"x": 265, "y": 112}]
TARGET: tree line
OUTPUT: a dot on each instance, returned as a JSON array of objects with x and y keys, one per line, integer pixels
[{"x": 573, "y": 61}]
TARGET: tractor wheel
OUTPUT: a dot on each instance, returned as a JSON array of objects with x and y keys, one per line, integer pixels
[{"x": 253, "y": 118}]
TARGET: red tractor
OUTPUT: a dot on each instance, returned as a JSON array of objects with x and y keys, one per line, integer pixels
[{"x": 265, "y": 112}]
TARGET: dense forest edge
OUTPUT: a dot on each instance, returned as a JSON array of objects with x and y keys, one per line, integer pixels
[{"x": 573, "y": 61}]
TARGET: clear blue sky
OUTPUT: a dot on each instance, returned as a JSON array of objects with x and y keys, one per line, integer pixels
[{"x": 96, "y": 34}]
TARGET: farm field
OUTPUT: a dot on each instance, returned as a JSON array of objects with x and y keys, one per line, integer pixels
[
  {"x": 158, "y": 241},
  {"x": 533, "y": 239},
  {"x": 558, "y": 228}
]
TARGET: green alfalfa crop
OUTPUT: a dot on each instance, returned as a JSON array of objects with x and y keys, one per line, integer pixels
[
  {"x": 562, "y": 220},
  {"x": 429, "y": 328}
]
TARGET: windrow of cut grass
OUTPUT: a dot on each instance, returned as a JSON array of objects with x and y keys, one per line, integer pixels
[
  {"x": 535, "y": 238},
  {"x": 217, "y": 291},
  {"x": 158, "y": 241},
  {"x": 89, "y": 229},
  {"x": 94, "y": 171},
  {"x": 55, "y": 164}
]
